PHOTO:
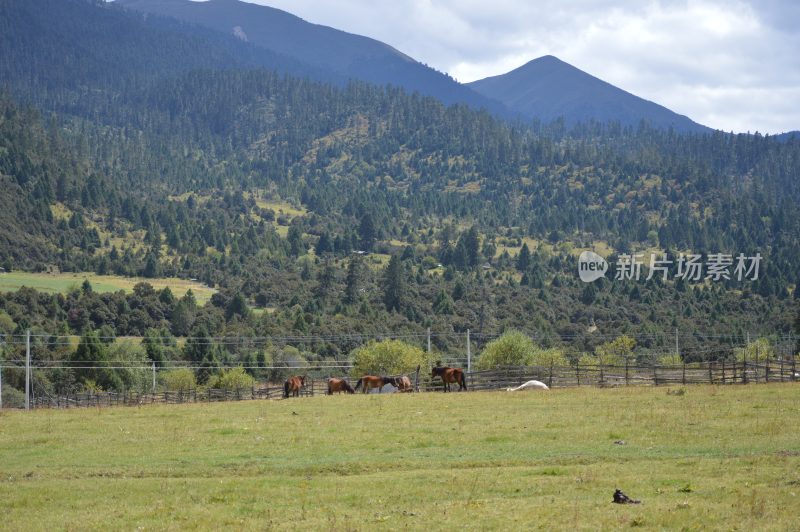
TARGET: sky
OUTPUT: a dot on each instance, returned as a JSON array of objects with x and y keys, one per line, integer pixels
[{"x": 728, "y": 64}]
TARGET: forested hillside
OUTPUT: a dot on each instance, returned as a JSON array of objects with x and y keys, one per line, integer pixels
[{"x": 129, "y": 147}]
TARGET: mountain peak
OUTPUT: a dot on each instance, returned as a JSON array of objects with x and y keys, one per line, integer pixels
[{"x": 548, "y": 88}]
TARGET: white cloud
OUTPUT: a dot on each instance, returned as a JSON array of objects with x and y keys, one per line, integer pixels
[{"x": 729, "y": 64}]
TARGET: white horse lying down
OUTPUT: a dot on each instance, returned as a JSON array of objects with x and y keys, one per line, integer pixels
[{"x": 533, "y": 385}]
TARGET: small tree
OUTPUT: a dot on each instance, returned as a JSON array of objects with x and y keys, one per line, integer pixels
[
  {"x": 133, "y": 377},
  {"x": 91, "y": 361},
  {"x": 389, "y": 357}
]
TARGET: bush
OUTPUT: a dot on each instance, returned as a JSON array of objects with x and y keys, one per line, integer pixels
[
  {"x": 615, "y": 352},
  {"x": 232, "y": 379},
  {"x": 390, "y": 357},
  {"x": 13, "y": 398},
  {"x": 513, "y": 348},
  {"x": 548, "y": 357},
  {"x": 756, "y": 351},
  {"x": 179, "y": 380}
]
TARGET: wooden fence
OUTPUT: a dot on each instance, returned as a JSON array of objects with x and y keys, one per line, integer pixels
[
  {"x": 498, "y": 378},
  {"x": 210, "y": 395},
  {"x": 631, "y": 375}
]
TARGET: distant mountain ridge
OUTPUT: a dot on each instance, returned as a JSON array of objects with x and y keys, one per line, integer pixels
[
  {"x": 548, "y": 88},
  {"x": 345, "y": 54},
  {"x": 789, "y": 135}
]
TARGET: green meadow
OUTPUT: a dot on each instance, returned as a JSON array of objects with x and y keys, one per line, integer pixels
[
  {"x": 700, "y": 457},
  {"x": 63, "y": 282}
]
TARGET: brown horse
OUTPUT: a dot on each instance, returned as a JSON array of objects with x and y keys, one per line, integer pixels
[
  {"x": 404, "y": 384},
  {"x": 339, "y": 386},
  {"x": 293, "y": 385},
  {"x": 373, "y": 381},
  {"x": 450, "y": 375}
]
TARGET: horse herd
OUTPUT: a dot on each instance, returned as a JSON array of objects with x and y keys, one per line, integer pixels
[{"x": 293, "y": 385}]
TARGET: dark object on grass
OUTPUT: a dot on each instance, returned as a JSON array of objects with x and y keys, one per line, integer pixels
[{"x": 621, "y": 498}]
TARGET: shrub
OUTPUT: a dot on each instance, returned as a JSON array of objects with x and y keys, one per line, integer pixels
[
  {"x": 232, "y": 379},
  {"x": 513, "y": 348},
  {"x": 756, "y": 351},
  {"x": 548, "y": 357},
  {"x": 389, "y": 357},
  {"x": 615, "y": 352},
  {"x": 179, "y": 380},
  {"x": 13, "y": 398}
]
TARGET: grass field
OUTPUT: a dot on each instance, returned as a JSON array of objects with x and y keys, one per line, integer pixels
[
  {"x": 712, "y": 458},
  {"x": 62, "y": 282}
]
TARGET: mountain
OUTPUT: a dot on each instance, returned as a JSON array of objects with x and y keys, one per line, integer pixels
[
  {"x": 67, "y": 55},
  {"x": 346, "y": 54},
  {"x": 548, "y": 88},
  {"x": 157, "y": 148},
  {"x": 789, "y": 135}
]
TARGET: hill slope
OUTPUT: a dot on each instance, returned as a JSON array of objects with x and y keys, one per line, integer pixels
[
  {"x": 548, "y": 88},
  {"x": 159, "y": 163},
  {"x": 348, "y": 55}
]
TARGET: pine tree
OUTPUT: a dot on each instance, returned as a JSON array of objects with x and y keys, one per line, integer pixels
[
  {"x": 366, "y": 232},
  {"x": 393, "y": 284},
  {"x": 353, "y": 280},
  {"x": 524, "y": 258}
]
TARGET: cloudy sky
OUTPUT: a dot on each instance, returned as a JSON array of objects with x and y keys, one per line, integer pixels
[{"x": 728, "y": 64}]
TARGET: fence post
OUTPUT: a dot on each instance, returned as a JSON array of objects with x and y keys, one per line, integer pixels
[
  {"x": 550, "y": 379},
  {"x": 429, "y": 339},
  {"x": 28, "y": 369},
  {"x": 655, "y": 375},
  {"x": 626, "y": 371},
  {"x": 416, "y": 379},
  {"x": 1, "y": 387},
  {"x": 469, "y": 354},
  {"x": 723, "y": 371},
  {"x": 757, "y": 353},
  {"x": 578, "y": 372},
  {"x": 766, "y": 369},
  {"x": 744, "y": 366},
  {"x": 683, "y": 377},
  {"x": 710, "y": 374},
  {"x": 794, "y": 372}
]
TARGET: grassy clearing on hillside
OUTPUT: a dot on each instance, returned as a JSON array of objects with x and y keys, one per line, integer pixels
[
  {"x": 715, "y": 457},
  {"x": 63, "y": 282}
]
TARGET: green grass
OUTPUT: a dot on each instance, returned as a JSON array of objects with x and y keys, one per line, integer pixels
[
  {"x": 713, "y": 458},
  {"x": 63, "y": 282}
]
